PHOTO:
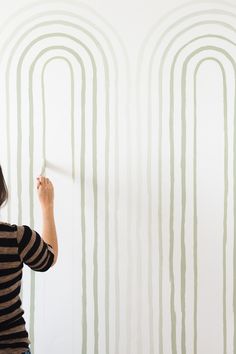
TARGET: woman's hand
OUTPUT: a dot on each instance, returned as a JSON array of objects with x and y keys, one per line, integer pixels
[{"x": 45, "y": 191}]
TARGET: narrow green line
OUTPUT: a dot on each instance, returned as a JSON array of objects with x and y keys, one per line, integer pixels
[
  {"x": 110, "y": 46},
  {"x": 171, "y": 252},
  {"x": 107, "y": 218},
  {"x": 149, "y": 231},
  {"x": 225, "y": 205},
  {"x": 84, "y": 314},
  {"x": 82, "y": 207},
  {"x": 129, "y": 214},
  {"x": 183, "y": 208},
  {"x": 183, "y": 270},
  {"x": 139, "y": 257},
  {"x": 160, "y": 221},
  {"x": 195, "y": 229},
  {"x": 117, "y": 255},
  {"x": 160, "y": 100},
  {"x": 234, "y": 214}
]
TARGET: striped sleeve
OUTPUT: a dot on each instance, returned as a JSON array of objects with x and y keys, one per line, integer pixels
[{"x": 33, "y": 250}]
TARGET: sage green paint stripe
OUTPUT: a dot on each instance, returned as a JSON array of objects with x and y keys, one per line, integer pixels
[
  {"x": 182, "y": 19},
  {"x": 107, "y": 192},
  {"x": 234, "y": 213},
  {"x": 140, "y": 58},
  {"x": 184, "y": 188},
  {"x": 195, "y": 230},
  {"x": 138, "y": 227},
  {"x": 94, "y": 166},
  {"x": 160, "y": 253},
  {"x": 173, "y": 315},
  {"x": 117, "y": 256},
  {"x": 183, "y": 260},
  {"x": 183, "y": 191},
  {"x": 183, "y": 181},
  {"x": 225, "y": 202},
  {"x": 31, "y": 150},
  {"x": 44, "y": 113},
  {"x": 84, "y": 295},
  {"x": 183, "y": 208},
  {"x": 82, "y": 203},
  {"x": 116, "y": 142},
  {"x": 84, "y": 314},
  {"x": 72, "y": 114},
  {"x": 171, "y": 266},
  {"x": 130, "y": 266},
  {"x": 149, "y": 194},
  {"x": 139, "y": 257}
]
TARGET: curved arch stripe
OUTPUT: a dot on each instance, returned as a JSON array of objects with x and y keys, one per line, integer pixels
[
  {"x": 160, "y": 108},
  {"x": 116, "y": 165},
  {"x": 183, "y": 255}
]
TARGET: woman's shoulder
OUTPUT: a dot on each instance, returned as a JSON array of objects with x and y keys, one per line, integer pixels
[{"x": 8, "y": 225}]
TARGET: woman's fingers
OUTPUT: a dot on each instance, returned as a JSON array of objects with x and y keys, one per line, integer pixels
[{"x": 43, "y": 180}]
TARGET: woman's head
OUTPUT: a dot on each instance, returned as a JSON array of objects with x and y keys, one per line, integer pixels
[{"x": 3, "y": 189}]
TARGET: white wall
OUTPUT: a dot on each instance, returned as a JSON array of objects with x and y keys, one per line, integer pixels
[{"x": 129, "y": 108}]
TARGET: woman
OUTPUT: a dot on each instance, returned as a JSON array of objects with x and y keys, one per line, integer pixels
[{"x": 19, "y": 245}]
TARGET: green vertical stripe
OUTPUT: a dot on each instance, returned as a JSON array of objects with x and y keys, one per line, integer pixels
[
  {"x": 160, "y": 104},
  {"x": 225, "y": 204}
]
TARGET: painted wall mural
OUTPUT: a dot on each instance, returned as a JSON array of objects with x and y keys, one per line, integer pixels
[{"x": 130, "y": 110}]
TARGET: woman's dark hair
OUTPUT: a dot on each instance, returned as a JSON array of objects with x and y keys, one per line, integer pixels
[{"x": 3, "y": 189}]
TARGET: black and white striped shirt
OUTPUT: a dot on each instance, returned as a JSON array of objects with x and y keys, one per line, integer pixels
[{"x": 19, "y": 245}]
